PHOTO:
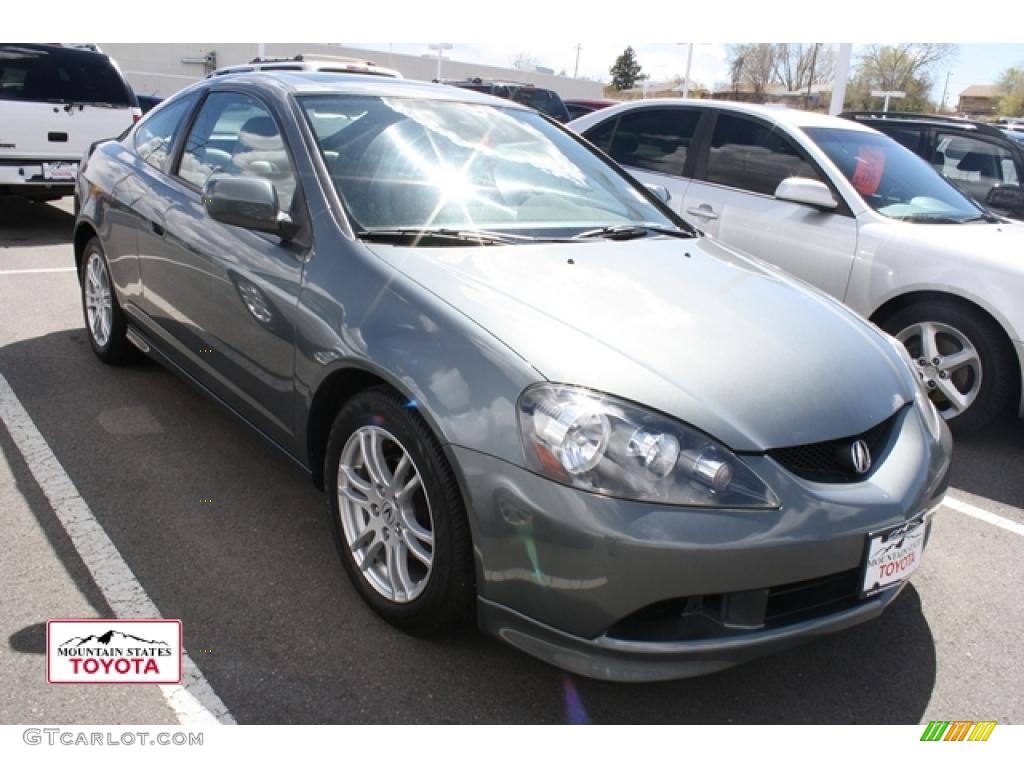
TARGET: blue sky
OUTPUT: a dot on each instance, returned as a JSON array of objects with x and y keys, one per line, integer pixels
[{"x": 974, "y": 63}]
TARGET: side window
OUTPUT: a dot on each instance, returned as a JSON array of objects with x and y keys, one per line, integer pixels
[
  {"x": 655, "y": 139},
  {"x": 750, "y": 155},
  {"x": 601, "y": 135},
  {"x": 973, "y": 164},
  {"x": 155, "y": 136},
  {"x": 236, "y": 135},
  {"x": 908, "y": 137}
]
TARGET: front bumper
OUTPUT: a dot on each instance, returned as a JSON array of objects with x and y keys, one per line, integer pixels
[{"x": 572, "y": 577}]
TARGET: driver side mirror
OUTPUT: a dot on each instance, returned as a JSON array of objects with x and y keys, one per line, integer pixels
[
  {"x": 248, "y": 202},
  {"x": 1007, "y": 197},
  {"x": 806, "y": 192},
  {"x": 659, "y": 192}
]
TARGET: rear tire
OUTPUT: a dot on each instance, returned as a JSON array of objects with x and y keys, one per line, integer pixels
[
  {"x": 409, "y": 553},
  {"x": 104, "y": 320},
  {"x": 973, "y": 358}
]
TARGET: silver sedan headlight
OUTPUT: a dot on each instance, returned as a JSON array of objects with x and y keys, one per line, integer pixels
[{"x": 599, "y": 443}]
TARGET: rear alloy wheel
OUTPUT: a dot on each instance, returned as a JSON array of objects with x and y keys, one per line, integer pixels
[
  {"x": 959, "y": 358},
  {"x": 104, "y": 320},
  {"x": 397, "y": 513}
]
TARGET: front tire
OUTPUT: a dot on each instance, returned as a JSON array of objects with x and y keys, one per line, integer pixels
[
  {"x": 962, "y": 359},
  {"x": 104, "y": 320},
  {"x": 397, "y": 514}
]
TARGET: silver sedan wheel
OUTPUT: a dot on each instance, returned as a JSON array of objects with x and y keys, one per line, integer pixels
[
  {"x": 385, "y": 514},
  {"x": 948, "y": 364},
  {"x": 98, "y": 299}
]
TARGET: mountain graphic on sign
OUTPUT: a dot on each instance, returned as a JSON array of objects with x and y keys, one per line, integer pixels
[{"x": 109, "y": 639}]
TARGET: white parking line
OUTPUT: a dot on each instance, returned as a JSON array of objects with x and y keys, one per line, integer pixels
[
  {"x": 194, "y": 701},
  {"x": 35, "y": 271},
  {"x": 984, "y": 515}
]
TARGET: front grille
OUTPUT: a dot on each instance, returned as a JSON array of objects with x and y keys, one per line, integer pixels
[
  {"x": 704, "y": 617},
  {"x": 828, "y": 462}
]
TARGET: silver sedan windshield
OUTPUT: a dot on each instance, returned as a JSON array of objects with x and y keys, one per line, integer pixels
[{"x": 431, "y": 163}]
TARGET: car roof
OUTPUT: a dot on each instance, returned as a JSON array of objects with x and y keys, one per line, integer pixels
[
  {"x": 775, "y": 113},
  {"x": 913, "y": 118},
  {"x": 310, "y": 82}
]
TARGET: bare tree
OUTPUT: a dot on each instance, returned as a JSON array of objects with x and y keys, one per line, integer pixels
[
  {"x": 895, "y": 67},
  {"x": 798, "y": 65},
  {"x": 753, "y": 64},
  {"x": 525, "y": 60}
]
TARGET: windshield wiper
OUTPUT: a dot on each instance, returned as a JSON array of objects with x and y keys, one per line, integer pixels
[
  {"x": 924, "y": 218},
  {"x": 631, "y": 231},
  {"x": 417, "y": 235}
]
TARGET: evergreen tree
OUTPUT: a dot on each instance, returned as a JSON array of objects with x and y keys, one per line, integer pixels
[{"x": 626, "y": 70}]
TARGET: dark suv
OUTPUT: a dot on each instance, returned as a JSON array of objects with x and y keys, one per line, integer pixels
[
  {"x": 542, "y": 99},
  {"x": 978, "y": 158}
]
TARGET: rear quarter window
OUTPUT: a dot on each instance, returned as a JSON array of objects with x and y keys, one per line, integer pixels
[{"x": 45, "y": 74}]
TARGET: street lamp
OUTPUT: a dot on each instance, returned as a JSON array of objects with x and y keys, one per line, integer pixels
[
  {"x": 440, "y": 48},
  {"x": 689, "y": 62}
]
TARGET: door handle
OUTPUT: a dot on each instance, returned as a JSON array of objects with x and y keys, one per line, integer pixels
[{"x": 703, "y": 211}]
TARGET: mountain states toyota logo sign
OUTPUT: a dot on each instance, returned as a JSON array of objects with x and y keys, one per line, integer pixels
[{"x": 113, "y": 651}]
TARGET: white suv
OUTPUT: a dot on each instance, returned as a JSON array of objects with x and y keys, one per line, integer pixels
[
  {"x": 55, "y": 102},
  {"x": 854, "y": 213},
  {"x": 305, "y": 62}
]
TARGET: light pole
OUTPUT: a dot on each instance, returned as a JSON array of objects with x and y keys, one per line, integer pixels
[
  {"x": 686, "y": 83},
  {"x": 576, "y": 69},
  {"x": 945, "y": 88},
  {"x": 887, "y": 94},
  {"x": 440, "y": 48}
]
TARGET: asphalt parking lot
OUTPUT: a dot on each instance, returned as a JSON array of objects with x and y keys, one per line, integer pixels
[{"x": 281, "y": 636}]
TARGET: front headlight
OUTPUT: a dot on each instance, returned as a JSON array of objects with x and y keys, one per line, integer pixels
[
  {"x": 605, "y": 445},
  {"x": 930, "y": 414}
]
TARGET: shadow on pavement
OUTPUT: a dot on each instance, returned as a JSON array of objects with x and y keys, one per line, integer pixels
[
  {"x": 30, "y": 639},
  {"x": 283, "y": 637},
  {"x": 990, "y": 464},
  {"x": 24, "y": 223}
]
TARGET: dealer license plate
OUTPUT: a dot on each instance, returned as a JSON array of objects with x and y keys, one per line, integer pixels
[
  {"x": 893, "y": 555},
  {"x": 60, "y": 171}
]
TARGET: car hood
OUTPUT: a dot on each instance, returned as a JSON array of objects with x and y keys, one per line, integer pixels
[{"x": 686, "y": 327}]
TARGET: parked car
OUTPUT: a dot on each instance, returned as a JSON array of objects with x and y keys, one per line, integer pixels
[
  {"x": 542, "y": 99},
  {"x": 305, "y": 62},
  {"x": 523, "y": 382},
  {"x": 580, "y": 107},
  {"x": 1015, "y": 135},
  {"x": 54, "y": 102},
  {"x": 854, "y": 213},
  {"x": 980, "y": 159}
]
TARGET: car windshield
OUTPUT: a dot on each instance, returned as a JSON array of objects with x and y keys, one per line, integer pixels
[
  {"x": 892, "y": 179},
  {"x": 400, "y": 163},
  {"x": 29, "y": 73}
]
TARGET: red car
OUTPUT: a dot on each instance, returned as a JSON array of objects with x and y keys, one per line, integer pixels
[{"x": 580, "y": 107}]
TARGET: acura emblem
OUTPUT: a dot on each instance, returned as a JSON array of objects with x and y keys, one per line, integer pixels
[{"x": 860, "y": 457}]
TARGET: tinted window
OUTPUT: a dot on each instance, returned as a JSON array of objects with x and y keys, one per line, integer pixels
[
  {"x": 236, "y": 135},
  {"x": 601, "y": 135},
  {"x": 542, "y": 100},
  {"x": 892, "y": 180},
  {"x": 974, "y": 165},
  {"x": 155, "y": 135},
  {"x": 429, "y": 163},
  {"x": 908, "y": 137},
  {"x": 753, "y": 156},
  {"x": 30, "y": 73},
  {"x": 655, "y": 139}
]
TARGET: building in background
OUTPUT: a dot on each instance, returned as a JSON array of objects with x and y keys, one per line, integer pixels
[
  {"x": 161, "y": 69},
  {"x": 979, "y": 101}
]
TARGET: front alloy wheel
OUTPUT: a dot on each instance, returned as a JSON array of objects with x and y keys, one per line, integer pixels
[
  {"x": 385, "y": 514},
  {"x": 947, "y": 363},
  {"x": 397, "y": 513}
]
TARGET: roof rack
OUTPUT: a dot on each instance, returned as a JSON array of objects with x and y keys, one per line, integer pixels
[
  {"x": 482, "y": 80},
  {"x": 308, "y": 57},
  {"x": 970, "y": 125}
]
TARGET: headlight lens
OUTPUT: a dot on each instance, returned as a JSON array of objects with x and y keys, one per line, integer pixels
[
  {"x": 605, "y": 445},
  {"x": 930, "y": 414}
]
